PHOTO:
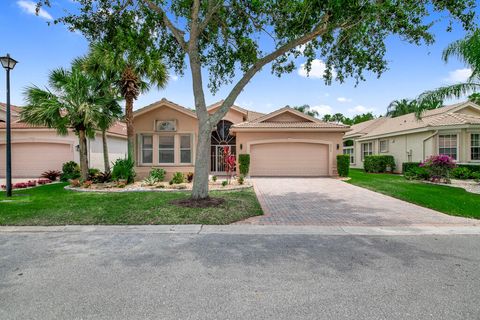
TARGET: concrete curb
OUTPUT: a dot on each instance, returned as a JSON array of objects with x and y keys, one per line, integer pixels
[{"x": 253, "y": 230}]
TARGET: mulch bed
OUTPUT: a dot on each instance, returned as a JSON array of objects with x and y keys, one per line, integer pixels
[{"x": 204, "y": 203}]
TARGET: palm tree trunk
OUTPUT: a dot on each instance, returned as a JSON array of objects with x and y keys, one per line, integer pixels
[
  {"x": 129, "y": 122},
  {"x": 106, "y": 160},
  {"x": 82, "y": 142}
]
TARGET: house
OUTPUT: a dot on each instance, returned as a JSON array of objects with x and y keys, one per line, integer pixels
[
  {"x": 37, "y": 149},
  {"x": 285, "y": 142},
  {"x": 452, "y": 130}
]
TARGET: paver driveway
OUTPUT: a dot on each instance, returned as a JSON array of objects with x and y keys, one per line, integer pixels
[{"x": 330, "y": 202}]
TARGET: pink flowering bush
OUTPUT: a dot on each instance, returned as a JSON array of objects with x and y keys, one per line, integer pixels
[{"x": 439, "y": 167}]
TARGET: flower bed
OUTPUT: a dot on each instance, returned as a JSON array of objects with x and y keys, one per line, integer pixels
[
  {"x": 28, "y": 184},
  {"x": 140, "y": 186}
]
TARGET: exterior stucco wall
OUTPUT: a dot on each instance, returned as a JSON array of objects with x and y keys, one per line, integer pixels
[
  {"x": 416, "y": 147},
  {"x": 48, "y": 139},
  {"x": 246, "y": 139}
]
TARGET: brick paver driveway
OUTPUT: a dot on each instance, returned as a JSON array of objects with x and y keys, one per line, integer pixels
[{"x": 330, "y": 202}]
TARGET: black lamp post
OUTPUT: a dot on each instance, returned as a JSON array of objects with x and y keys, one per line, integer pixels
[{"x": 8, "y": 63}]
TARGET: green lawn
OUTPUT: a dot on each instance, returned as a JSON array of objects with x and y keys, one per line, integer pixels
[
  {"x": 453, "y": 201},
  {"x": 53, "y": 205}
]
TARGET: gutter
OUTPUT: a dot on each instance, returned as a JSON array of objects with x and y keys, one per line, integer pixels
[{"x": 427, "y": 138}]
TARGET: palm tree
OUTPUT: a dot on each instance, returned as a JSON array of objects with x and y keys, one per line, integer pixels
[
  {"x": 468, "y": 51},
  {"x": 307, "y": 110},
  {"x": 73, "y": 103},
  {"x": 400, "y": 107},
  {"x": 327, "y": 118},
  {"x": 338, "y": 118},
  {"x": 134, "y": 73},
  {"x": 110, "y": 110}
]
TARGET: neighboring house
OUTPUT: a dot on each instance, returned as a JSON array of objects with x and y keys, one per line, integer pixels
[
  {"x": 37, "y": 149},
  {"x": 452, "y": 130},
  {"x": 285, "y": 142}
]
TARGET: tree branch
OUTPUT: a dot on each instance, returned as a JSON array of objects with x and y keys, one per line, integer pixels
[
  {"x": 177, "y": 33},
  {"x": 212, "y": 8},
  {"x": 320, "y": 29}
]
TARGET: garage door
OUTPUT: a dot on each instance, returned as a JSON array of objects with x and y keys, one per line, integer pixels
[
  {"x": 289, "y": 159},
  {"x": 30, "y": 160}
]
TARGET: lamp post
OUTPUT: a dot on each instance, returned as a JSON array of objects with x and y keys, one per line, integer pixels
[{"x": 8, "y": 63}]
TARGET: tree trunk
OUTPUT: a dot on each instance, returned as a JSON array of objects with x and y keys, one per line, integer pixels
[
  {"x": 130, "y": 128},
  {"x": 200, "y": 181},
  {"x": 82, "y": 142},
  {"x": 106, "y": 160}
]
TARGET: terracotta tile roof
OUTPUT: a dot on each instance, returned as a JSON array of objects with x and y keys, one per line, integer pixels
[
  {"x": 15, "y": 109},
  {"x": 290, "y": 125},
  {"x": 251, "y": 115},
  {"x": 164, "y": 101},
  {"x": 444, "y": 116}
]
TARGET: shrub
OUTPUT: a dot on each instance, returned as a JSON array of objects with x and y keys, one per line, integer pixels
[
  {"x": 378, "y": 163},
  {"x": 87, "y": 184},
  {"x": 51, "y": 175},
  {"x": 241, "y": 179},
  {"x": 406, "y": 166},
  {"x": 417, "y": 173},
  {"x": 190, "y": 177},
  {"x": 102, "y": 177},
  {"x": 343, "y": 165},
  {"x": 461, "y": 173},
  {"x": 471, "y": 167},
  {"x": 32, "y": 183},
  {"x": 224, "y": 183},
  {"x": 123, "y": 169},
  {"x": 214, "y": 178},
  {"x": 20, "y": 185},
  {"x": 43, "y": 181},
  {"x": 75, "y": 183},
  {"x": 158, "y": 174},
  {"x": 70, "y": 170},
  {"x": 476, "y": 176},
  {"x": 149, "y": 181},
  {"x": 177, "y": 178},
  {"x": 244, "y": 163},
  {"x": 439, "y": 167}
]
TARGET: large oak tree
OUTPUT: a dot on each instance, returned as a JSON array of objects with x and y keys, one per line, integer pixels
[{"x": 232, "y": 40}]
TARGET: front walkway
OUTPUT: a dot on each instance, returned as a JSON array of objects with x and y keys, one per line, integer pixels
[{"x": 331, "y": 202}]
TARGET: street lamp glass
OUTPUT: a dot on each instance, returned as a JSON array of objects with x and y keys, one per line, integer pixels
[{"x": 8, "y": 62}]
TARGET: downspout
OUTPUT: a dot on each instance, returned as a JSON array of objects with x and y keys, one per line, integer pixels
[{"x": 427, "y": 138}]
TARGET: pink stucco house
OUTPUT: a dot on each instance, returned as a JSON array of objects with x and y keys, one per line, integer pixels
[
  {"x": 37, "y": 149},
  {"x": 285, "y": 142}
]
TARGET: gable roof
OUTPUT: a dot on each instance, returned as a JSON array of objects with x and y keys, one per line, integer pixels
[
  {"x": 308, "y": 123},
  {"x": 250, "y": 115},
  {"x": 15, "y": 110},
  {"x": 431, "y": 119},
  {"x": 165, "y": 102}
]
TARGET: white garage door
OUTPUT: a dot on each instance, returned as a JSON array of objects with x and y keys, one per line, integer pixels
[
  {"x": 30, "y": 160},
  {"x": 289, "y": 159}
]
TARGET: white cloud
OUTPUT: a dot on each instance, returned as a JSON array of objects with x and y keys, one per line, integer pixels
[
  {"x": 30, "y": 7},
  {"x": 173, "y": 77},
  {"x": 323, "y": 109},
  {"x": 359, "y": 110},
  {"x": 317, "y": 70},
  {"x": 343, "y": 99},
  {"x": 459, "y": 75}
]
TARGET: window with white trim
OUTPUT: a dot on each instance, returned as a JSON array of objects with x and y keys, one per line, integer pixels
[
  {"x": 349, "y": 149},
  {"x": 186, "y": 148},
  {"x": 475, "y": 146},
  {"x": 447, "y": 144},
  {"x": 367, "y": 149},
  {"x": 166, "y": 149},
  {"x": 383, "y": 146},
  {"x": 147, "y": 148}
]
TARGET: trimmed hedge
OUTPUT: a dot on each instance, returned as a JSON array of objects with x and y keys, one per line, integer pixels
[
  {"x": 244, "y": 163},
  {"x": 471, "y": 167},
  {"x": 406, "y": 166},
  {"x": 378, "y": 163},
  {"x": 343, "y": 165}
]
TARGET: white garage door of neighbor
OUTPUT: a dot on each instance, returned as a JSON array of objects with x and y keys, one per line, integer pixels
[
  {"x": 289, "y": 159},
  {"x": 30, "y": 160}
]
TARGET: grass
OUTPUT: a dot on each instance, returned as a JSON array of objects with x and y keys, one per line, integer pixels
[
  {"x": 53, "y": 205},
  {"x": 449, "y": 200}
]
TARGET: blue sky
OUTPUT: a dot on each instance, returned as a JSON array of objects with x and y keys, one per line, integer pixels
[{"x": 40, "y": 48}]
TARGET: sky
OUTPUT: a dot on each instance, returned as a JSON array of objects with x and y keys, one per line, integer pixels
[{"x": 39, "y": 48}]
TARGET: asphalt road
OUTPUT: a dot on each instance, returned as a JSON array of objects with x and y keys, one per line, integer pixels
[{"x": 107, "y": 275}]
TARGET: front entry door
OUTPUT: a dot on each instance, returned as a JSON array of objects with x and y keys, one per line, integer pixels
[{"x": 217, "y": 162}]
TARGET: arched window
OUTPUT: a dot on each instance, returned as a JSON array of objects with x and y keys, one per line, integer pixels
[{"x": 221, "y": 135}]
